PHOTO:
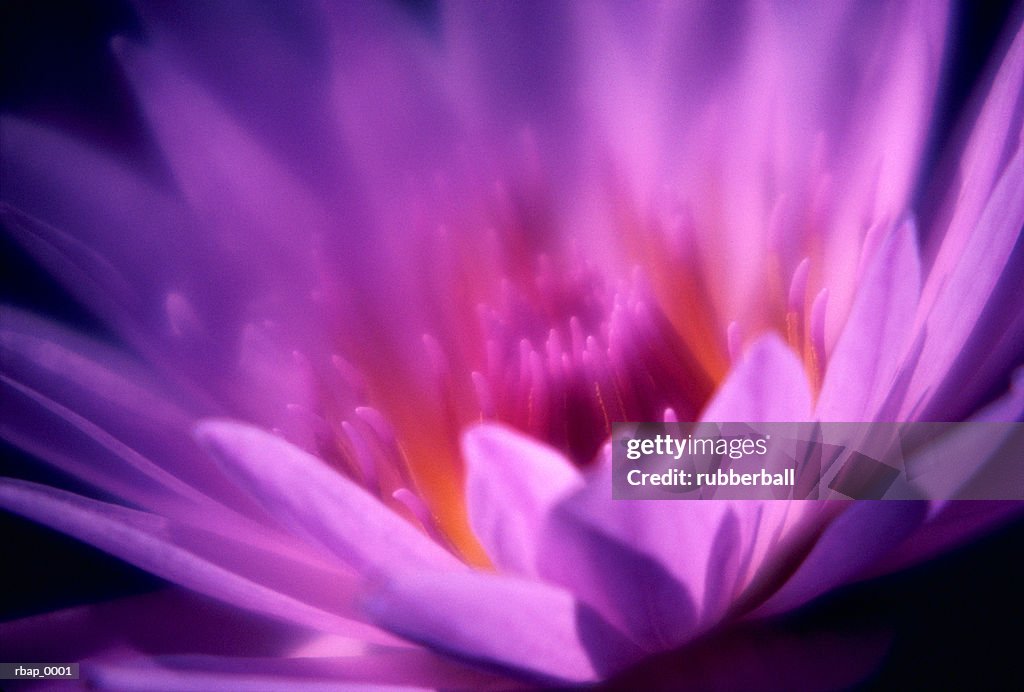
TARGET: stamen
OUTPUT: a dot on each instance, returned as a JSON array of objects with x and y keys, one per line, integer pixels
[
  {"x": 351, "y": 379},
  {"x": 483, "y": 395},
  {"x": 734, "y": 337},
  {"x": 578, "y": 338},
  {"x": 817, "y": 349},
  {"x": 181, "y": 317},
  {"x": 795, "y": 312},
  {"x": 435, "y": 354},
  {"x": 317, "y": 423},
  {"x": 418, "y": 508},
  {"x": 604, "y": 409},
  {"x": 798, "y": 286},
  {"x": 363, "y": 457},
  {"x": 380, "y": 425}
]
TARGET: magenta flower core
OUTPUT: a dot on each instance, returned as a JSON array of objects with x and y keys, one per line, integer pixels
[{"x": 377, "y": 307}]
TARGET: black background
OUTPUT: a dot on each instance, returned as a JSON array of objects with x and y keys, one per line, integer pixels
[{"x": 956, "y": 619}]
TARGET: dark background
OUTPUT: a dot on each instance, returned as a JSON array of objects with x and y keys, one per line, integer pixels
[{"x": 956, "y": 619}]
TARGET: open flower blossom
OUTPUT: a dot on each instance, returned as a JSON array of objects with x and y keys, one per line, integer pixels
[{"x": 376, "y": 319}]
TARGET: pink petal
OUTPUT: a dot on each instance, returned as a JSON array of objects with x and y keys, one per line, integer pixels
[
  {"x": 271, "y": 232},
  {"x": 858, "y": 538},
  {"x": 1010, "y": 406},
  {"x": 978, "y": 226},
  {"x": 73, "y": 223},
  {"x": 86, "y": 374},
  {"x": 527, "y": 626},
  {"x": 388, "y": 90},
  {"x": 76, "y": 388},
  {"x": 271, "y": 74},
  {"x": 208, "y": 150},
  {"x": 762, "y": 657},
  {"x": 165, "y": 622},
  {"x": 306, "y": 494},
  {"x": 713, "y": 544},
  {"x": 69, "y": 205},
  {"x": 865, "y": 359},
  {"x": 219, "y": 567},
  {"x": 954, "y": 524},
  {"x": 82, "y": 449},
  {"x": 880, "y": 77},
  {"x": 512, "y": 482},
  {"x": 648, "y": 75},
  {"x": 616, "y": 564},
  {"x": 961, "y": 293},
  {"x": 158, "y": 678},
  {"x": 959, "y": 465},
  {"x": 409, "y": 667},
  {"x": 993, "y": 347},
  {"x": 508, "y": 76},
  {"x": 979, "y": 164},
  {"x": 89, "y": 276},
  {"x": 613, "y": 554},
  {"x": 767, "y": 385}
]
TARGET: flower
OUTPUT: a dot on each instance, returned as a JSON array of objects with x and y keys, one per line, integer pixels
[{"x": 376, "y": 318}]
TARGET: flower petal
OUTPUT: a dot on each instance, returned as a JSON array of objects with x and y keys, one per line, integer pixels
[
  {"x": 507, "y": 75},
  {"x": 270, "y": 231},
  {"x": 954, "y": 524},
  {"x": 614, "y": 555},
  {"x": 959, "y": 306},
  {"x": 512, "y": 483},
  {"x": 1009, "y": 407},
  {"x": 528, "y": 626},
  {"x": 387, "y": 90},
  {"x": 768, "y": 385},
  {"x": 169, "y": 621},
  {"x": 373, "y": 667},
  {"x": 763, "y": 657},
  {"x": 951, "y": 523},
  {"x": 880, "y": 78},
  {"x": 870, "y": 348},
  {"x": 649, "y": 73},
  {"x": 87, "y": 452},
  {"x": 287, "y": 42},
  {"x": 97, "y": 403},
  {"x": 86, "y": 374},
  {"x": 158, "y": 678},
  {"x": 229, "y": 571},
  {"x": 978, "y": 236},
  {"x": 303, "y": 492},
  {"x": 69, "y": 205},
  {"x": 859, "y": 537},
  {"x": 207, "y": 149},
  {"x": 624, "y": 581},
  {"x": 979, "y": 164},
  {"x": 88, "y": 275},
  {"x": 994, "y": 347}
]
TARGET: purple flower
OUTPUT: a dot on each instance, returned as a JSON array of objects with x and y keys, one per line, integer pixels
[{"x": 391, "y": 284}]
